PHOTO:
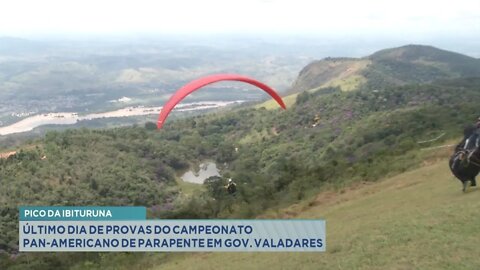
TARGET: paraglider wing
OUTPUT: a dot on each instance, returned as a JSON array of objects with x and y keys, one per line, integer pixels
[{"x": 199, "y": 83}]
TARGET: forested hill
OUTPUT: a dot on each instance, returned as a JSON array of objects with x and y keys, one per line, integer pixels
[
  {"x": 396, "y": 66},
  {"x": 281, "y": 156},
  {"x": 327, "y": 139}
]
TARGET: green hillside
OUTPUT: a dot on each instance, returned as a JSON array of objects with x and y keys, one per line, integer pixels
[
  {"x": 415, "y": 220},
  {"x": 396, "y": 66},
  {"x": 345, "y": 73},
  {"x": 282, "y": 157},
  {"x": 326, "y": 142},
  {"x": 418, "y": 64}
]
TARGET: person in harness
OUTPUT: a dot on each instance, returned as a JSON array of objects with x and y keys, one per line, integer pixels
[
  {"x": 472, "y": 142},
  {"x": 465, "y": 161},
  {"x": 231, "y": 186},
  {"x": 467, "y": 151},
  {"x": 470, "y": 139},
  {"x": 468, "y": 131}
]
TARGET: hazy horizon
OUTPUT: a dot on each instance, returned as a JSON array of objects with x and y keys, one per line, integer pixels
[
  {"x": 314, "y": 46},
  {"x": 354, "y": 28}
]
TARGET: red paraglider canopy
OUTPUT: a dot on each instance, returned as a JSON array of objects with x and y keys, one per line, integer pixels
[{"x": 199, "y": 83}]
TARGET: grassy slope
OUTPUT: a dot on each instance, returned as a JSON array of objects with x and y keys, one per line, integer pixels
[
  {"x": 416, "y": 220},
  {"x": 272, "y": 104}
]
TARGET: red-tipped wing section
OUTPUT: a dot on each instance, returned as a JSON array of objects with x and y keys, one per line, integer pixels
[{"x": 199, "y": 83}]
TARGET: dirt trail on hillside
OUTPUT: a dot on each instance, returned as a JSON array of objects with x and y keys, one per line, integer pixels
[{"x": 5, "y": 155}]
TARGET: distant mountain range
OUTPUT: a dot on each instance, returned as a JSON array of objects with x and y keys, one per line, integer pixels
[{"x": 13, "y": 45}]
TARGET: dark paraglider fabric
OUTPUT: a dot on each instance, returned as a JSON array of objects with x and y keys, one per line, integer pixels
[{"x": 199, "y": 83}]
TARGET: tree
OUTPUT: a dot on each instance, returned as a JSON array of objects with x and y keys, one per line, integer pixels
[{"x": 150, "y": 126}]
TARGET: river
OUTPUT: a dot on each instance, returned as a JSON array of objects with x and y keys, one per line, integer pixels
[{"x": 70, "y": 118}]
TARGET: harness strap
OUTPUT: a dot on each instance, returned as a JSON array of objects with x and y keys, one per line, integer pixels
[{"x": 469, "y": 159}]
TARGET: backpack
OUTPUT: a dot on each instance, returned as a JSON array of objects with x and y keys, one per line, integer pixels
[{"x": 232, "y": 188}]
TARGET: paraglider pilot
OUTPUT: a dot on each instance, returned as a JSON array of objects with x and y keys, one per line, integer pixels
[
  {"x": 470, "y": 137},
  {"x": 465, "y": 162},
  {"x": 231, "y": 186}
]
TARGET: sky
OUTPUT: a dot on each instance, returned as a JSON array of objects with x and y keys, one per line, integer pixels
[{"x": 459, "y": 18}]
